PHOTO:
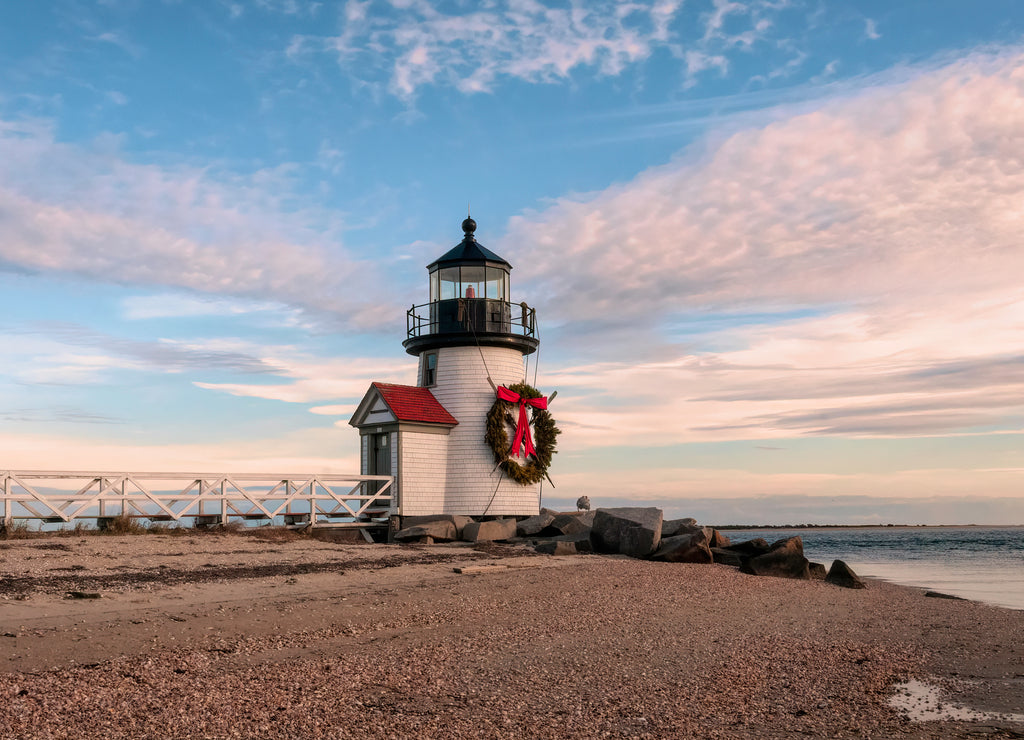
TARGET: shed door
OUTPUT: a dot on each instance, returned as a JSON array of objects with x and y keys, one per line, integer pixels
[{"x": 380, "y": 457}]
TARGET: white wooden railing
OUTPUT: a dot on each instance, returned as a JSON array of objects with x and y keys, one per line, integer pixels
[{"x": 206, "y": 497}]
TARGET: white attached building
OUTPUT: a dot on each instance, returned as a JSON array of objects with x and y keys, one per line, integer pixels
[{"x": 469, "y": 339}]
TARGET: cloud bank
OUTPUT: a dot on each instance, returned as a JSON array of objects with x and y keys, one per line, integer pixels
[{"x": 862, "y": 261}]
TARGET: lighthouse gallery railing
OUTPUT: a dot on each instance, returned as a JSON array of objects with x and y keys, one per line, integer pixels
[
  {"x": 478, "y": 315},
  {"x": 173, "y": 496}
]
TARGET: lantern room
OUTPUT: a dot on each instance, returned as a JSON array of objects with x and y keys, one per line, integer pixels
[{"x": 470, "y": 303}]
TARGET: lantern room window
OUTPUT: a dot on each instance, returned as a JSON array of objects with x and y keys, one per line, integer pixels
[
  {"x": 450, "y": 284},
  {"x": 469, "y": 281}
]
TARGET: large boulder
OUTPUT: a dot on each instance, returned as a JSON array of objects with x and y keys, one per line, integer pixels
[
  {"x": 841, "y": 574},
  {"x": 570, "y": 523},
  {"x": 458, "y": 520},
  {"x": 535, "y": 524},
  {"x": 750, "y": 548},
  {"x": 437, "y": 529},
  {"x": 497, "y": 529},
  {"x": 580, "y": 540},
  {"x": 556, "y": 547},
  {"x": 723, "y": 556},
  {"x": 784, "y": 559},
  {"x": 818, "y": 571},
  {"x": 684, "y": 548},
  {"x": 672, "y": 527},
  {"x": 717, "y": 539},
  {"x": 630, "y": 531}
]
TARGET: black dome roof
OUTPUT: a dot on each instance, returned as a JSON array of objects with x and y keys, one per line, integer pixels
[{"x": 468, "y": 252}]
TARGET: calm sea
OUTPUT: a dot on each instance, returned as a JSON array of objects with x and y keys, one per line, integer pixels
[{"x": 979, "y": 563}]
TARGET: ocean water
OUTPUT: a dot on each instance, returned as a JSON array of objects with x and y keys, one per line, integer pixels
[{"x": 979, "y": 563}]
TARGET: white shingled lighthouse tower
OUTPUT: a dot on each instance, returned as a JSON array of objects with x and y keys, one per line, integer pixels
[{"x": 469, "y": 339}]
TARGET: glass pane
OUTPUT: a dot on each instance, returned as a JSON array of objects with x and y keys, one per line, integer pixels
[
  {"x": 449, "y": 283},
  {"x": 496, "y": 283},
  {"x": 473, "y": 282},
  {"x": 434, "y": 296}
]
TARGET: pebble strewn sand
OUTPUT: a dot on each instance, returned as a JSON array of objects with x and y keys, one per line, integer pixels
[{"x": 302, "y": 638}]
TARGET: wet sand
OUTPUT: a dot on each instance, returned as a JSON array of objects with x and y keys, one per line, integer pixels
[{"x": 236, "y": 635}]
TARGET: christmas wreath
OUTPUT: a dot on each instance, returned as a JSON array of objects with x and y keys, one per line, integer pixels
[{"x": 503, "y": 415}]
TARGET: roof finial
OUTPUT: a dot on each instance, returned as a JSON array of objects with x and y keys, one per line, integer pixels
[{"x": 469, "y": 225}]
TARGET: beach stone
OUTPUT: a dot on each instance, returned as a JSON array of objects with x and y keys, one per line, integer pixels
[
  {"x": 784, "y": 559},
  {"x": 841, "y": 574},
  {"x": 717, "y": 539},
  {"x": 556, "y": 547},
  {"x": 818, "y": 571},
  {"x": 750, "y": 548},
  {"x": 497, "y": 529},
  {"x": 437, "y": 529},
  {"x": 458, "y": 520},
  {"x": 685, "y": 548},
  {"x": 570, "y": 523},
  {"x": 535, "y": 524},
  {"x": 726, "y": 557},
  {"x": 672, "y": 527},
  {"x": 633, "y": 531},
  {"x": 580, "y": 540}
]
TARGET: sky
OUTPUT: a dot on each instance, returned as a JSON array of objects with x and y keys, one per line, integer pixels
[{"x": 774, "y": 245}]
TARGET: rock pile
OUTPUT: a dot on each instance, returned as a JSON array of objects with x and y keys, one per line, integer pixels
[{"x": 635, "y": 532}]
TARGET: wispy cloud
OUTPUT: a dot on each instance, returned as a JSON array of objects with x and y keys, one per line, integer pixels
[
  {"x": 421, "y": 44},
  {"x": 314, "y": 380},
  {"x": 90, "y": 212},
  {"x": 871, "y": 29}
]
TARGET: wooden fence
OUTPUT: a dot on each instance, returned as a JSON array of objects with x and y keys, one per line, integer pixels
[{"x": 299, "y": 500}]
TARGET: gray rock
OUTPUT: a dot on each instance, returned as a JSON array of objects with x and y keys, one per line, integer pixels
[
  {"x": 841, "y": 574},
  {"x": 437, "y": 529},
  {"x": 785, "y": 559},
  {"x": 672, "y": 527},
  {"x": 535, "y": 524},
  {"x": 497, "y": 529},
  {"x": 684, "y": 548},
  {"x": 555, "y": 547},
  {"x": 757, "y": 546},
  {"x": 818, "y": 571},
  {"x": 570, "y": 523},
  {"x": 630, "y": 531},
  {"x": 458, "y": 520},
  {"x": 717, "y": 539},
  {"x": 726, "y": 557},
  {"x": 581, "y": 540}
]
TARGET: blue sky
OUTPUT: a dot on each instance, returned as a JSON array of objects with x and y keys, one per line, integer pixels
[{"x": 774, "y": 245}]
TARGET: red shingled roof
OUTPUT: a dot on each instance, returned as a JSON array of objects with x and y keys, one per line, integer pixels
[{"x": 411, "y": 403}]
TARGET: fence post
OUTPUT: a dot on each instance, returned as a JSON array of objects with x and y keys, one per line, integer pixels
[{"x": 8, "y": 511}]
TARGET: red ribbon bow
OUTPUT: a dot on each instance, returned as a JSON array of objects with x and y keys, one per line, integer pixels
[{"x": 523, "y": 427}]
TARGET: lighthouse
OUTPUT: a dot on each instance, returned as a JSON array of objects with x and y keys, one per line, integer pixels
[{"x": 470, "y": 339}]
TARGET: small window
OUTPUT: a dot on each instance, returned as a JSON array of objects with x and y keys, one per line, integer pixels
[{"x": 429, "y": 369}]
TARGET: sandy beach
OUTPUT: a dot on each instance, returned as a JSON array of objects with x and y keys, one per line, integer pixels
[{"x": 204, "y": 635}]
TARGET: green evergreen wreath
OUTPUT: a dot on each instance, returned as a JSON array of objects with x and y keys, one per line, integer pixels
[{"x": 504, "y": 413}]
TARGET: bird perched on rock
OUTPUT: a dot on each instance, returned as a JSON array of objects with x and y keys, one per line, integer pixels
[{"x": 583, "y": 503}]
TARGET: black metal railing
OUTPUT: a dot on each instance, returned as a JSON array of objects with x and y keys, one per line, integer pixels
[{"x": 471, "y": 315}]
